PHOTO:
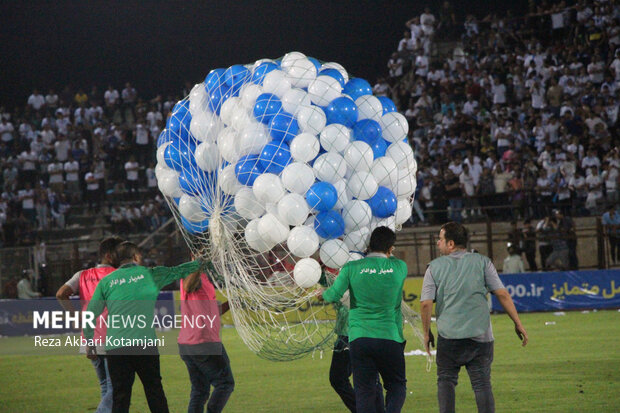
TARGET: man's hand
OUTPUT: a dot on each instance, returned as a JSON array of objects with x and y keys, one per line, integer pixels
[
  {"x": 429, "y": 342},
  {"x": 318, "y": 293},
  {"x": 91, "y": 352},
  {"x": 521, "y": 333}
]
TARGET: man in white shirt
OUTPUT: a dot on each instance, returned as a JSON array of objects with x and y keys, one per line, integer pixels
[
  {"x": 591, "y": 160},
  {"x": 92, "y": 190},
  {"x": 36, "y": 101},
  {"x": 499, "y": 92},
  {"x": 6, "y": 131},
  {"x": 51, "y": 99},
  {"x": 28, "y": 161},
  {"x": 56, "y": 177},
  {"x": 468, "y": 188},
  {"x": 131, "y": 168},
  {"x": 72, "y": 171},
  {"x": 594, "y": 182},
  {"x": 26, "y": 197},
  {"x": 62, "y": 147}
]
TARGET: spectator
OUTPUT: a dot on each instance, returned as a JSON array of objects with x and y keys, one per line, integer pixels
[{"x": 513, "y": 263}]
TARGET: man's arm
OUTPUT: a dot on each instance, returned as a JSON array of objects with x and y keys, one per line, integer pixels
[
  {"x": 68, "y": 289},
  {"x": 426, "y": 308},
  {"x": 336, "y": 291},
  {"x": 508, "y": 305},
  {"x": 165, "y": 275},
  {"x": 95, "y": 306}
]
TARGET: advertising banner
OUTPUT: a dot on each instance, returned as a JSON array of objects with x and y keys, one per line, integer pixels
[{"x": 567, "y": 290}]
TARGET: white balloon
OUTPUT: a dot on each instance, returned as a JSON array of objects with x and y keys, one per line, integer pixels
[
  {"x": 354, "y": 256},
  {"x": 403, "y": 211},
  {"x": 298, "y": 177},
  {"x": 227, "y": 109},
  {"x": 324, "y": 89},
  {"x": 412, "y": 166},
  {"x": 253, "y": 238},
  {"x": 301, "y": 72},
  {"x": 227, "y": 145},
  {"x": 271, "y": 229},
  {"x": 191, "y": 209},
  {"x": 249, "y": 92},
  {"x": 276, "y": 82},
  {"x": 252, "y": 139},
  {"x": 307, "y": 272},
  {"x": 401, "y": 153},
  {"x": 247, "y": 205},
  {"x": 362, "y": 185},
  {"x": 241, "y": 118},
  {"x": 168, "y": 183},
  {"x": 294, "y": 98},
  {"x": 356, "y": 215},
  {"x": 198, "y": 99},
  {"x": 338, "y": 67},
  {"x": 293, "y": 209},
  {"x": 302, "y": 241},
  {"x": 198, "y": 125},
  {"x": 385, "y": 171},
  {"x": 311, "y": 119},
  {"x": 330, "y": 167},
  {"x": 334, "y": 253},
  {"x": 335, "y": 137},
  {"x": 406, "y": 184},
  {"x": 227, "y": 180},
  {"x": 305, "y": 147},
  {"x": 268, "y": 188},
  {"x": 207, "y": 156},
  {"x": 394, "y": 126},
  {"x": 359, "y": 156},
  {"x": 290, "y": 58},
  {"x": 358, "y": 240},
  {"x": 343, "y": 194},
  {"x": 211, "y": 126},
  {"x": 161, "y": 168},
  {"x": 369, "y": 107},
  {"x": 389, "y": 222},
  {"x": 162, "y": 149}
]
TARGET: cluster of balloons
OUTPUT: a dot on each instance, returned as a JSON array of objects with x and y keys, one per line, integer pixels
[{"x": 305, "y": 154}]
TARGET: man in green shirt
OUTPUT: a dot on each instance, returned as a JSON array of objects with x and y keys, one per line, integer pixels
[
  {"x": 130, "y": 293},
  {"x": 458, "y": 282},
  {"x": 376, "y": 339}
]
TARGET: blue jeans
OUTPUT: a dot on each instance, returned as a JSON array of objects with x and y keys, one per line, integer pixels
[
  {"x": 101, "y": 368},
  {"x": 204, "y": 372},
  {"x": 456, "y": 207},
  {"x": 370, "y": 356},
  {"x": 477, "y": 358}
]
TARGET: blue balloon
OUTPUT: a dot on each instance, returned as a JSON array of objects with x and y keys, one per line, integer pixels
[
  {"x": 197, "y": 182},
  {"x": 261, "y": 71},
  {"x": 315, "y": 62},
  {"x": 367, "y": 130},
  {"x": 214, "y": 80},
  {"x": 164, "y": 137},
  {"x": 322, "y": 196},
  {"x": 329, "y": 224},
  {"x": 195, "y": 227},
  {"x": 283, "y": 127},
  {"x": 341, "y": 110},
  {"x": 247, "y": 169},
  {"x": 266, "y": 107},
  {"x": 388, "y": 105},
  {"x": 357, "y": 87},
  {"x": 335, "y": 73},
  {"x": 236, "y": 76},
  {"x": 383, "y": 203},
  {"x": 379, "y": 148},
  {"x": 274, "y": 157},
  {"x": 217, "y": 97},
  {"x": 179, "y": 155}
]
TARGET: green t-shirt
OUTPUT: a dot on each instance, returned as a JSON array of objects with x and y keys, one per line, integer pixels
[
  {"x": 130, "y": 294},
  {"x": 375, "y": 286}
]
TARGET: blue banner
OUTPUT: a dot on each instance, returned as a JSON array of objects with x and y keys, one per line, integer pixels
[
  {"x": 17, "y": 319},
  {"x": 569, "y": 290}
]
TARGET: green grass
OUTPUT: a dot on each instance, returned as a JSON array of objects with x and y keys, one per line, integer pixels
[{"x": 570, "y": 366}]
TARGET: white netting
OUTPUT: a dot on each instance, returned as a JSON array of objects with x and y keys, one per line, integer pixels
[{"x": 271, "y": 166}]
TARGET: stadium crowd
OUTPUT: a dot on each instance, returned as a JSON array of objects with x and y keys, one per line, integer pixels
[
  {"x": 520, "y": 119},
  {"x": 523, "y": 114},
  {"x": 63, "y": 150}
]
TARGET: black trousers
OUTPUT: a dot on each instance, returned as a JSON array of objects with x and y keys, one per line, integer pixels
[
  {"x": 370, "y": 356},
  {"x": 530, "y": 255},
  {"x": 545, "y": 251},
  {"x": 123, "y": 369},
  {"x": 339, "y": 373}
]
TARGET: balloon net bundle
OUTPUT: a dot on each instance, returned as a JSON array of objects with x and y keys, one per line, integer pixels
[{"x": 274, "y": 171}]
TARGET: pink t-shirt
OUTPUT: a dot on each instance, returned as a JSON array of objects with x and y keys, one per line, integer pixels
[{"x": 200, "y": 315}]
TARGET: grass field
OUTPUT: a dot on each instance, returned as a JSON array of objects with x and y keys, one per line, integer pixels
[{"x": 570, "y": 366}]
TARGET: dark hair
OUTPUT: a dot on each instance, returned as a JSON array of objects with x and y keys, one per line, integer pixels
[
  {"x": 126, "y": 251},
  {"x": 108, "y": 246},
  {"x": 381, "y": 239},
  {"x": 453, "y": 231},
  {"x": 527, "y": 221}
]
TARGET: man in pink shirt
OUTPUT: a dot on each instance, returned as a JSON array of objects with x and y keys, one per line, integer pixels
[{"x": 84, "y": 282}]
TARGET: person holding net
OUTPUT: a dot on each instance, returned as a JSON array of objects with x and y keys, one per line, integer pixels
[{"x": 375, "y": 285}]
